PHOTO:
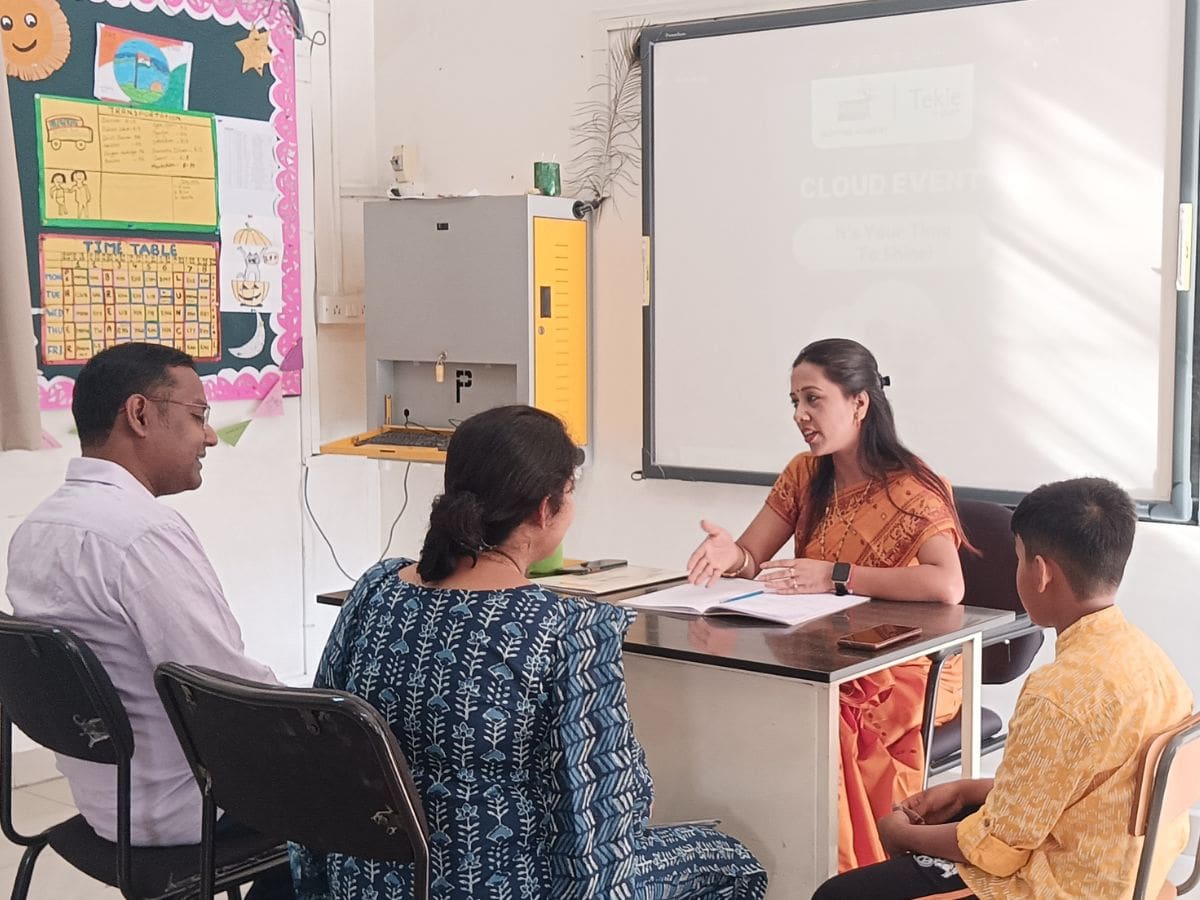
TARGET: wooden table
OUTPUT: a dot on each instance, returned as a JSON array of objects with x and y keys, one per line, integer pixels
[{"x": 740, "y": 721}]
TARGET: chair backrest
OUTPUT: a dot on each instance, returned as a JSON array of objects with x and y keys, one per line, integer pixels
[
  {"x": 1170, "y": 769},
  {"x": 55, "y": 690},
  {"x": 1168, "y": 786},
  {"x": 317, "y": 767},
  {"x": 990, "y": 578}
]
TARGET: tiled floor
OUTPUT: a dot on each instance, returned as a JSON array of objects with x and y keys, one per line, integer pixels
[
  {"x": 41, "y": 805},
  {"x": 34, "y": 808}
]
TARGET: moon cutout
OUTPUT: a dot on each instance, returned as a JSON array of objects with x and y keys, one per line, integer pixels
[{"x": 254, "y": 346}]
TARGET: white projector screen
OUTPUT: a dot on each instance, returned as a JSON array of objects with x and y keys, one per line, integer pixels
[{"x": 986, "y": 195}]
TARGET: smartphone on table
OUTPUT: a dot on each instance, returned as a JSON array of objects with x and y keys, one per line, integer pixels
[
  {"x": 592, "y": 565},
  {"x": 878, "y": 637}
]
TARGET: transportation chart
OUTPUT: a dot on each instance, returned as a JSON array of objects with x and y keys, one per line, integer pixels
[{"x": 121, "y": 166}]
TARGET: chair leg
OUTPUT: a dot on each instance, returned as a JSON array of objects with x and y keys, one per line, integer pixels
[
  {"x": 25, "y": 871},
  {"x": 234, "y": 893}
]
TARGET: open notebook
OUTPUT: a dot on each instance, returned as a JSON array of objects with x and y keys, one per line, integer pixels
[{"x": 742, "y": 597}]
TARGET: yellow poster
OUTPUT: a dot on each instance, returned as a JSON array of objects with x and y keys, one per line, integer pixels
[
  {"x": 101, "y": 291},
  {"x": 120, "y": 166}
]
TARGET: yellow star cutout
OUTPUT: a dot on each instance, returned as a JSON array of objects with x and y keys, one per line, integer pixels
[{"x": 256, "y": 51}]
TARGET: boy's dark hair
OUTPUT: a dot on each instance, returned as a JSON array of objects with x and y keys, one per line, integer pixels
[
  {"x": 500, "y": 465},
  {"x": 1085, "y": 525},
  {"x": 112, "y": 376}
]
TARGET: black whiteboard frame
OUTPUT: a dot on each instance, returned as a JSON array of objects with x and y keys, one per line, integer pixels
[{"x": 1181, "y": 507}]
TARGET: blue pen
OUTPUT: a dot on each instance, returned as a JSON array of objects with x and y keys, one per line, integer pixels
[{"x": 742, "y": 597}]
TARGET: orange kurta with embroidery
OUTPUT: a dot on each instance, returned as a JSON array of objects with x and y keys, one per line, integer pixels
[{"x": 883, "y": 526}]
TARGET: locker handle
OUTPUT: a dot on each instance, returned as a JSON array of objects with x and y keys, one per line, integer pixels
[{"x": 545, "y": 295}]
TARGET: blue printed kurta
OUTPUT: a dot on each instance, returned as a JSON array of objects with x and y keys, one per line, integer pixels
[{"x": 510, "y": 708}]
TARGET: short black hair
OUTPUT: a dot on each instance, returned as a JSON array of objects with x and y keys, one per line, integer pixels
[
  {"x": 112, "y": 376},
  {"x": 1086, "y": 525}
]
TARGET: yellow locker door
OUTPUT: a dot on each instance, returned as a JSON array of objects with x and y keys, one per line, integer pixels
[{"x": 560, "y": 314}]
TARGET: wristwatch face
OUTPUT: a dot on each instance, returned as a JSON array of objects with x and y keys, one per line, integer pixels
[{"x": 841, "y": 572}]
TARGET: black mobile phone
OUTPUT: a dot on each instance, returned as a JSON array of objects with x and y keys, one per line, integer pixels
[
  {"x": 592, "y": 565},
  {"x": 601, "y": 565},
  {"x": 878, "y": 637}
]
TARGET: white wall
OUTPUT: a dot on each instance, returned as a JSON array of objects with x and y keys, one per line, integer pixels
[{"x": 482, "y": 90}]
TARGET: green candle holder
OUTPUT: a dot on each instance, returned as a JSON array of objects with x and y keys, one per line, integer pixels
[{"x": 547, "y": 178}]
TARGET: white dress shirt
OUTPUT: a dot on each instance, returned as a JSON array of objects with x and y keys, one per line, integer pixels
[{"x": 102, "y": 557}]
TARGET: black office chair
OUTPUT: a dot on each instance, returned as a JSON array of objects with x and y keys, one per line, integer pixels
[
  {"x": 990, "y": 580},
  {"x": 55, "y": 690},
  {"x": 320, "y": 767}
]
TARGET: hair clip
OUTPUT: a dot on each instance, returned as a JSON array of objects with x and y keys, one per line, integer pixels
[{"x": 884, "y": 381}]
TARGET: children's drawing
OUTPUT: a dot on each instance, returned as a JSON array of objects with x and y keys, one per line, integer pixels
[
  {"x": 58, "y": 192},
  {"x": 81, "y": 193},
  {"x": 68, "y": 129},
  {"x": 142, "y": 69},
  {"x": 35, "y": 37},
  {"x": 248, "y": 286}
]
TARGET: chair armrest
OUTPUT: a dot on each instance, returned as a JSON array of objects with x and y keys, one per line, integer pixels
[
  {"x": 937, "y": 663},
  {"x": 1022, "y": 627}
]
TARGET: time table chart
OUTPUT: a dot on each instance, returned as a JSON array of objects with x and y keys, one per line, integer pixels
[{"x": 97, "y": 292}]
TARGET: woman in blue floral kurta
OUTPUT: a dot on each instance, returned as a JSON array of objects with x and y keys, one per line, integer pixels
[{"x": 509, "y": 703}]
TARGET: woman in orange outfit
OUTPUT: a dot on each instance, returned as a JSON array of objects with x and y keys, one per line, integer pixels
[{"x": 866, "y": 516}]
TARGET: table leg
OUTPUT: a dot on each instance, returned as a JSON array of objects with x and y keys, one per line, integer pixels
[{"x": 972, "y": 697}]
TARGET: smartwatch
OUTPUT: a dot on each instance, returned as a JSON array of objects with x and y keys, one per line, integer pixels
[{"x": 841, "y": 575}]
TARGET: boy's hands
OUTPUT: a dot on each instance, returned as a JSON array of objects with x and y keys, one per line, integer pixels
[
  {"x": 892, "y": 829},
  {"x": 934, "y": 806}
]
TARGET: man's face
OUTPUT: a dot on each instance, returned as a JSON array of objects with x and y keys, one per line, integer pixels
[{"x": 178, "y": 437}]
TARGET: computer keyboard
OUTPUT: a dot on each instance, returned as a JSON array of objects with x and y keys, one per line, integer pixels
[{"x": 435, "y": 440}]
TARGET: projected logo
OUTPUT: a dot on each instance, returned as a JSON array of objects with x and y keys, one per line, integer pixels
[{"x": 917, "y": 106}]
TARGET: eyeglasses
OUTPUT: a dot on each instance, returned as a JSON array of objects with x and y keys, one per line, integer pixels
[{"x": 204, "y": 407}]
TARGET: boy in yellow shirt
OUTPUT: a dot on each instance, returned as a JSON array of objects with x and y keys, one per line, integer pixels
[{"x": 1054, "y": 822}]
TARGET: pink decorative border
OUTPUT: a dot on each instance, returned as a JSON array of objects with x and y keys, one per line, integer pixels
[{"x": 248, "y": 382}]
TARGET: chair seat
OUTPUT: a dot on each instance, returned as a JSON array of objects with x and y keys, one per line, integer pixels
[
  {"x": 947, "y": 739},
  {"x": 161, "y": 872}
]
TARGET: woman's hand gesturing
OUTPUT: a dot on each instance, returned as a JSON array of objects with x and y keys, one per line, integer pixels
[{"x": 718, "y": 554}]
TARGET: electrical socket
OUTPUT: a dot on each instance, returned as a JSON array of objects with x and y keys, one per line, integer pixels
[{"x": 340, "y": 309}]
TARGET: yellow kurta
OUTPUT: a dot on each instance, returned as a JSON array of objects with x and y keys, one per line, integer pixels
[
  {"x": 1056, "y": 822},
  {"x": 882, "y": 758}
]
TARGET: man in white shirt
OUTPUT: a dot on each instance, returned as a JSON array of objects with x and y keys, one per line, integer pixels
[{"x": 102, "y": 557}]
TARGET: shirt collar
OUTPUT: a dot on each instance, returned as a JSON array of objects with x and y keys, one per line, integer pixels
[
  {"x": 103, "y": 471},
  {"x": 1094, "y": 624}
]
